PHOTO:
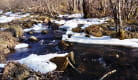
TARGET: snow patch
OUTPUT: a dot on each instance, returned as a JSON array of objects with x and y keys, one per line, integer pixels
[
  {"x": 77, "y": 15},
  {"x": 41, "y": 63},
  {"x": 9, "y": 16},
  {"x": 105, "y": 40},
  {"x": 80, "y": 37},
  {"x": 2, "y": 29},
  {"x": 21, "y": 45},
  {"x": 1, "y": 11},
  {"x": 37, "y": 28},
  {"x": 2, "y": 65}
]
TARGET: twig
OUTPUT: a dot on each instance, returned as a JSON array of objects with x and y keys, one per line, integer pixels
[{"x": 107, "y": 74}]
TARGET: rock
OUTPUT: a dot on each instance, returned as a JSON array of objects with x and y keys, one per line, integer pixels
[
  {"x": 27, "y": 25},
  {"x": 15, "y": 71},
  {"x": 54, "y": 26},
  {"x": 94, "y": 30},
  {"x": 33, "y": 38},
  {"x": 16, "y": 30},
  {"x": 58, "y": 34},
  {"x": 77, "y": 29},
  {"x": 47, "y": 20},
  {"x": 7, "y": 43},
  {"x": 44, "y": 32},
  {"x": 30, "y": 32},
  {"x": 41, "y": 18},
  {"x": 69, "y": 35},
  {"x": 87, "y": 35}
]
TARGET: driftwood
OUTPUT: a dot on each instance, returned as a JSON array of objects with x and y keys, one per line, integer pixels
[{"x": 107, "y": 74}]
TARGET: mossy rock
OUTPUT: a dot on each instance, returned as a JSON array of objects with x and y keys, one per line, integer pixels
[
  {"x": 16, "y": 30},
  {"x": 97, "y": 34},
  {"x": 28, "y": 24},
  {"x": 94, "y": 30},
  {"x": 110, "y": 33},
  {"x": 128, "y": 35},
  {"x": 15, "y": 71}
]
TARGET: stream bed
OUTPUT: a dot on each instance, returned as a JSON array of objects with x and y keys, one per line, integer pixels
[{"x": 92, "y": 61}]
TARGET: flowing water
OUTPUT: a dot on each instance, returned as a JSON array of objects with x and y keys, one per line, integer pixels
[{"x": 92, "y": 61}]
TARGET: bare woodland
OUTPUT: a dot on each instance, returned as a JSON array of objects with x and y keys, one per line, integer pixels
[{"x": 118, "y": 9}]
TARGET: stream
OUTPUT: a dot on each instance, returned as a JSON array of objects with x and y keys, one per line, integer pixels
[{"x": 93, "y": 61}]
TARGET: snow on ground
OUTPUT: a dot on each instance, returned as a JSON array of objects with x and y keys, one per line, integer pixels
[
  {"x": 1, "y": 11},
  {"x": 2, "y": 29},
  {"x": 80, "y": 37},
  {"x": 41, "y": 63},
  {"x": 77, "y": 15},
  {"x": 9, "y": 16},
  {"x": 21, "y": 45},
  {"x": 105, "y": 40},
  {"x": 2, "y": 65},
  {"x": 36, "y": 28}
]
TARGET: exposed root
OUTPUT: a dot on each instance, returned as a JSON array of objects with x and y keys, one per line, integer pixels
[{"x": 73, "y": 65}]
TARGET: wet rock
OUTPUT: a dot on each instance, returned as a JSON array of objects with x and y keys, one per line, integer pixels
[
  {"x": 87, "y": 35},
  {"x": 69, "y": 35},
  {"x": 58, "y": 34},
  {"x": 30, "y": 32},
  {"x": 44, "y": 32},
  {"x": 15, "y": 71},
  {"x": 33, "y": 38},
  {"x": 54, "y": 26}
]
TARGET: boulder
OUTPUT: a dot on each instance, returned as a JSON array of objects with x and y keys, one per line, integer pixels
[
  {"x": 94, "y": 30},
  {"x": 7, "y": 44},
  {"x": 15, "y": 71}
]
